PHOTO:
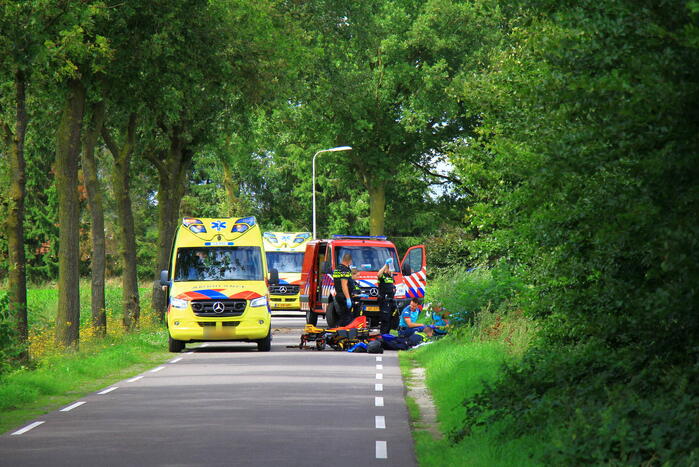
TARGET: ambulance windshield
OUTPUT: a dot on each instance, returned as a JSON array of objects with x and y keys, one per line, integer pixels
[
  {"x": 219, "y": 264},
  {"x": 285, "y": 261},
  {"x": 367, "y": 258}
]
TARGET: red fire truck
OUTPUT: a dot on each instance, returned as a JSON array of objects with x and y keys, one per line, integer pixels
[{"x": 369, "y": 254}]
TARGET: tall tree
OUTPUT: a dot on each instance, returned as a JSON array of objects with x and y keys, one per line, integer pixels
[
  {"x": 96, "y": 206},
  {"x": 127, "y": 234},
  {"x": 67, "y": 155},
  {"x": 213, "y": 62},
  {"x": 363, "y": 85},
  {"x": 76, "y": 53}
]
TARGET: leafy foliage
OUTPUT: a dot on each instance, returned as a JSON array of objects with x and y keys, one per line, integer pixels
[{"x": 585, "y": 171}]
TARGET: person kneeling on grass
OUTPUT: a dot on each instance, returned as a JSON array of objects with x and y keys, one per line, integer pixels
[
  {"x": 408, "y": 321},
  {"x": 440, "y": 318}
]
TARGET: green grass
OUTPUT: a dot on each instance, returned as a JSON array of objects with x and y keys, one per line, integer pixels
[
  {"x": 59, "y": 379},
  {"x": 457, "y": 367}
]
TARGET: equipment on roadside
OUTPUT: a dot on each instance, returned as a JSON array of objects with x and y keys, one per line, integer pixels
[{"x": 342, "y": 338}]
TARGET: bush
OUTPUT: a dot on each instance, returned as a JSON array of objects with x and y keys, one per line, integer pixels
[
  {"x": 447, "y": 250},
  {"x": 466, "y": 292},
  {"x": 10, "y": 347}
]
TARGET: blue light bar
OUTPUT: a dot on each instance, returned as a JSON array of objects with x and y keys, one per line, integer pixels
[{"x": 361, "y": 237}]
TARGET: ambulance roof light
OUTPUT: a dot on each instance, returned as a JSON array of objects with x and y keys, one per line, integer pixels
[{"x": 361, "y": 237}]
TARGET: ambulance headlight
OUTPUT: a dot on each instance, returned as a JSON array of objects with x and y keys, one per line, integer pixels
[
  {"x": 262, "y": 301},
  {"x": 178, "y": 303}
]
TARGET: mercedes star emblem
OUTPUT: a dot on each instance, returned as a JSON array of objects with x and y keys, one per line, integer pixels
[
  {"x": 374, "y": 292},
  {"x": 219, "y": 307},
  {"x": 282, "y": 290}
]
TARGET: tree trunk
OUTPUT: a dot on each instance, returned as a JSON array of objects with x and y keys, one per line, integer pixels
[
  {"x": 67, "y": 155},
  {"x": 231, "y": 186},
  {"x": 172, "y": 173},
  {"x": 127, "y": 230},
  {"x": 377, "y": 206},
  {"x": 17, "y": 280},
  {"x": 94, "y": 201}
]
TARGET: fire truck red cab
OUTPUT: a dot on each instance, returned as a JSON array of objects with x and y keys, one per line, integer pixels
[{"x": 369, "y": 254}]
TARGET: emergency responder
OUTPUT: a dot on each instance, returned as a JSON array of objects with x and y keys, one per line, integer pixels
[
  {"x": 387, "y": 290},
  {"x": 355, "y": 293},
  {"x": 343, "y": 301}
]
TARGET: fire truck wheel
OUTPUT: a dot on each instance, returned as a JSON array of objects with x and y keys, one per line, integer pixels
[
  {"x": 330, "y": 315},
  {"x": 311, "y": 318}
]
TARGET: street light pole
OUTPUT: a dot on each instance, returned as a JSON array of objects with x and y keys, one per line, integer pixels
[{"x": 339, "y": 148}]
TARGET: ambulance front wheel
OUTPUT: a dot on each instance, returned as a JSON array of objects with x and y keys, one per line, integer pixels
[
  {"x": 174, "y": 345},
  {"x": 311, "y": 318},
  {"x": 265, "y": 344}
]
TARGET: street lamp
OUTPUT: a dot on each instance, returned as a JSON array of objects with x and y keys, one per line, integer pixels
[{"x": 339, "y": 148}]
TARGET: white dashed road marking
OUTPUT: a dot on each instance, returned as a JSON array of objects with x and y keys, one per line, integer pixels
[
  {"x": 379, "y": 367},
  {"x": 378, "y": 401},
  {"x": 379, "y": 375},
  {"x": 157, "y": 369},
  {"x": 176, "y": 360},
  {"x": 380, "y": 422},
  {"x": 27, "y": 428},
  {"x": 381, "y": 450},
  {"x": 378, "y": 387},
  {"x": 134, "y": 379},
  {"x": 379, "y": 359},
  {"x": 71, "y": 407},
  {"x": 106, "y": 391}
]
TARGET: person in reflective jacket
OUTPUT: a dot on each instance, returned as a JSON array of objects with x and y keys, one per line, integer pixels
[
  {"x": 387, "y": 290},
  {"x": 343, "y": 300}
]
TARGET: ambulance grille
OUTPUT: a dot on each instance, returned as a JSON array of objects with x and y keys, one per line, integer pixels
[
  {"x": 219, "y": 308},
  {"x": 283, "y": 289}
]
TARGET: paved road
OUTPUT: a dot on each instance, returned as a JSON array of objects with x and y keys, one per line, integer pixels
[{"x": 227, "y": 404}]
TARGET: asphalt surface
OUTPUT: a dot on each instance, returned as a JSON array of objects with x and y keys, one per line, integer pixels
[{"x": 227, "y": 404}]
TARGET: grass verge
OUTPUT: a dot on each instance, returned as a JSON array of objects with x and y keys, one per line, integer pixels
[
  {"x": 59, "y": 379},
  {"x": 457, "y": 367}
]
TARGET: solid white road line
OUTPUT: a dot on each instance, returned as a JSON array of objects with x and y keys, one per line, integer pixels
[
  {"x": 176, "y": 360},
  {"x": 380, "y": 422},
  {"x": 379, "y": 359},
  {"x": 157, "y": 369},
  {"x": 379, "y": 375},
  {"x": 134, "y": 379},
  {"x": 378, "y": 401},
  {"x": 379, "y": 367},
  {"x": 27, "y": 428},
  {"x": 381, "y": 450},
  {"x": 71, "y": 407},
  {"x": 378, "y": 387},
  {"x": 106, "y": 391},
  {"x": 188, "y": 353}
]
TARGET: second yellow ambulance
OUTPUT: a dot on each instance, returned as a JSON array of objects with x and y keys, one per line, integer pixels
[{"x": 284, "y": 252}]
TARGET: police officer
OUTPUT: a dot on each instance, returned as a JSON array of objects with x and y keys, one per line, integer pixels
[
  {"x": 356, "y": 293},
  {"x": 387, "y": 290},
  {"x": 343, "y": 300}
]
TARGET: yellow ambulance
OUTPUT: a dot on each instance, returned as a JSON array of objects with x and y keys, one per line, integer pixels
[
  {"x": 284, "y": 251},
  {"x": 218, "y": 283}
]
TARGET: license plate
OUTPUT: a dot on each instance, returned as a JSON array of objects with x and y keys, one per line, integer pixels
[
  {"x": 210, "y": 332},
  {"x": 281, "y": 305},
  {"x": 371, "y": 308}
]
